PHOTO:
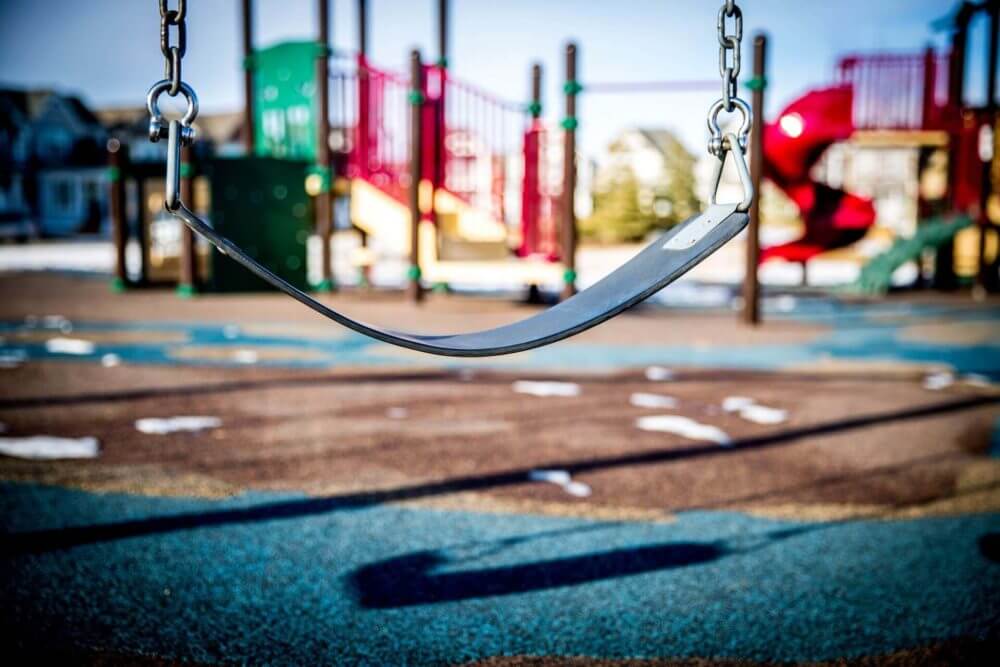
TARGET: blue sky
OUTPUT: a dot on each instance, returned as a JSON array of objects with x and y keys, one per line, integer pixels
[{"x": 107, "y": 50}]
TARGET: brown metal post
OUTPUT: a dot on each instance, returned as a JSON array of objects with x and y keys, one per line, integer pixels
[
  {"x": 751, "y": 283},
  {"x": 442, "y": 33},
  {"x": 324, "y": 199},
  {"x": 928, "y": 102},
  {"x": 187, "y": 280},
  {"x": 362, "y": 123},
  {"x": 248, "y": 67},
  {"x": 985, "y": 279},
  {"x": 117, "y": 167},
  {"x": 572, "y": 88},
  {"x": 414, "y": 289},
  {"x": 944, "y": 260},
  {"x": 438, "y": 174},
  {"x": 536, "y": 90},
  {"x": 142, "y": 230}
]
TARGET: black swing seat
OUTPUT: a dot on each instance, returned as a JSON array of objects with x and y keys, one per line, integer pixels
[{"x": 659, "y": 264}]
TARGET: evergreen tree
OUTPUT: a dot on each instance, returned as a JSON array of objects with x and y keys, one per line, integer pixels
[{"x": 626, "y": 209}]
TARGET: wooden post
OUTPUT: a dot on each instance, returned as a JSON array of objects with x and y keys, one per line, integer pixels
[
  {"x": 187, "y": 280},
  {"x": 414, "y": 289},
  {"x": 985, "y": 278},
  {"x": 248, "y": 67},
  {"x": 117, "y": 166},
  {"x": 751, "y": 283},
  {"x": 324, "y": 199},
  {"x": 571, "y": 88}
]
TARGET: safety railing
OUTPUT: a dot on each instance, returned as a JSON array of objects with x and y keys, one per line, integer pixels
[
  {"x": 484, "y": 150},
  {"x": 897, "y": 91}
]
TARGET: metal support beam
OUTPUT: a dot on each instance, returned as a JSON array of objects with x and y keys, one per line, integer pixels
[
  {"x": 414, "y": 290},
  {"x": 117, "y": 167},
  {"x": 569, "y": 174},
  {"x": 751, "y": 283},
  {"x": 986, "y": 276},
  {"x": 188, "y": 276},
  {"x": 248, "y": 67},
  {"x": 324, "y": 198}
]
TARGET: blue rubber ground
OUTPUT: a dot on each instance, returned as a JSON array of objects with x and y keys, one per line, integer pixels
[
  {"x": 286, "y": 579},
  {"x": 867, "y": 332}
]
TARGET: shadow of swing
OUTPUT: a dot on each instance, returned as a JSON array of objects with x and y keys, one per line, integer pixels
[{"x": 411, "y": 579}]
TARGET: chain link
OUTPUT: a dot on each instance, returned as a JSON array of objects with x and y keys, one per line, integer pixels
[
  {"x": 729, "y": 70},
  {"x": 729, "y": 49},
  {"x": 172, "y": 53},
  {"x": 173, "y": 50}
]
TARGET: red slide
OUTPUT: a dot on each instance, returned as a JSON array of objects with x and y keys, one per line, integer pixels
[{"x": 805, "y": 129}]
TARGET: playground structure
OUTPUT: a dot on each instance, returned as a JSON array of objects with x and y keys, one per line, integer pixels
[
  {"x": 431, "y": 164},
  {"x": 490, "y": 200},
  {"x": 911, "y": 100}
]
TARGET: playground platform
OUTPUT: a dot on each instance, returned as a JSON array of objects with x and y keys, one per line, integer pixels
[{"x": 670, "y": 488}]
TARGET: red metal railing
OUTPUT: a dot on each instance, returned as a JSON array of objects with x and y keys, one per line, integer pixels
[
  {"x": 541, "y": 194},
  {"x": 897, "y": 91},
  {"x": 472, "y": 142}
]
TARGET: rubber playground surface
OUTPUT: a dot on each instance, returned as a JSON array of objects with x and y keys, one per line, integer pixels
[{"x": 671, "y": 488}]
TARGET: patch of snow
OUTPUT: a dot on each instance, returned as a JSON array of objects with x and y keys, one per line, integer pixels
[
  {"x": 562, "y": 479},
  {"x": 397, "y": 413},
  {"x": 976, "y": 380},
  {"x": 12, "y": 358},
  {"x": 245, "y": 356},
  {"x": 750, "y": 410},
  {"x": 659, "y": 374},
  {"x": 56, "y": 322},
  {"x": 784, "y": 303},
  {"x": 736, "y": 403},
  {"x": 683, "y": 426},
  {"x": 546, "y": 389},
  {"x": 76, "y": 346},
  {"x": 49, "y": 447},
  {"x": 761, "y": 414},
  {"x": 163, "y": 426},
  {"x": 654, "y": 401},
  {"x": 938, "y": 381},
  {"x": 110, "y": 360}
]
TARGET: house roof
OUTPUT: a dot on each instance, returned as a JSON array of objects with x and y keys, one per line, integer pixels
[
  {"x": 663, "y": 140},
  {"x": 219, "y": 128}
]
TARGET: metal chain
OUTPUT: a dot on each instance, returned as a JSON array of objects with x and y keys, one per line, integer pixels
[
  {"x": 729, "y": 70},
  {"x": 172, "y": 20},
  {"x": 729, "y": 50},
  {"x": 172, "y": 54}
]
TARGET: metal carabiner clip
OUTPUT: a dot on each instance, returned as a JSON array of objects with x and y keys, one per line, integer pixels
[{"x": 730, "y": 144}]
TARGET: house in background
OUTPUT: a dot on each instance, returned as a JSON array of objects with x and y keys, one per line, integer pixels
[
  {"x": 53, "y": 153},
  {"x": 644, "y": 180},
  {"x": 16, "y": 195}
]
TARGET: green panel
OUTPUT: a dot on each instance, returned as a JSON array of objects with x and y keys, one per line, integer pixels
[
  {"x": 260, "y": 204},
  {"x": 284, "y": 100}
]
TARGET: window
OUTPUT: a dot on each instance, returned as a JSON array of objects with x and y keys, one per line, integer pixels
[{"x": 62, "y": 194}]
